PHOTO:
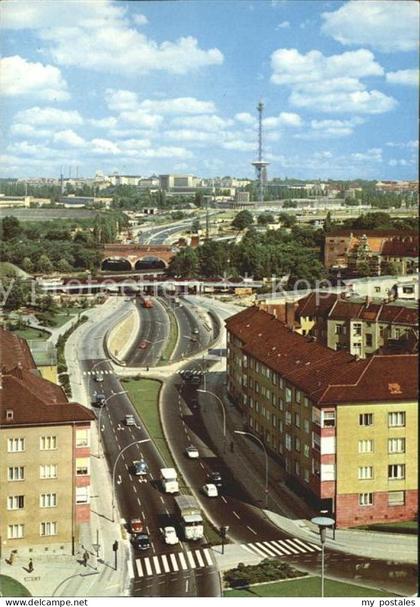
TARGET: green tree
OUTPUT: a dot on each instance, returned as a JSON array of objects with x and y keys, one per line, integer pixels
[
  {"x": 287, "y": 220},
  {"x": 195, "y": 226},
  {"x": 184, "y": 264},
  {"x": 27, "y": 265},
  {"x": 10, "y": 228},
  {"x": 265, "y": 218},
  {"x": 44, "y": 265},
  {"x": 63, "y": 266},
  {"x": 18, "y": 296},
  {"x": 243, "y": 220},
  {"x": 328, "y": 223}
]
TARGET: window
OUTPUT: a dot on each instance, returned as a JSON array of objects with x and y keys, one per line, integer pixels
[
  {"x": 396, "y": 471},
  {"x": 274, "y": 420},
  {"x": 288, "y": 418},
  {"x": 396, "y": 418},
  {"x": 82, "y": 495},
  {"x": 82, "y": 466},
  {"x": 15, "y": 532},
  {"x": 381, "y": 331},
  {"x": 305, "y": 401},
  {"x": 397, "y": 333},
  {"x": 15, "y": 444},
  {"x": 298, "y": 396},
  {"x": 288, "y": 441},
  {"x": 47, "y": 443},
  {"x": 288, "y": 395},
  {"x": 316, "y": 442},
  {"x": 365, "y": 419},
  {"x": 396, "y": 498},
  {"x": 365, "y": 472},
  {"x": 297, "y": 468},
  {"x": 297, "y": 420},
  {"x": 15, "y": 502},
  {"x": 365, "y": 499},
  {"x": 357, "y": 329},
  {"x": 297, "y": 444},
  {"x": 328, "y": 419},
  {"x": 338, "y": 329},
  {"x": 306, "y": 425},
  {"x": 377, "y": 289},
  {"x": 396, "y": 445},
  {"x": 48, "y": 529},
  {"x": 48, "y": 500},
  {"x": 306, "y": 475},
  {"x": 48, "y": 471},
  {"x": 82, "y": 438},
  {"x": 306, "y": 450},
  {"x": 369, "y": 340},
  {"x": 365, "y": 446},
  {"x": 16, "y": 473}
]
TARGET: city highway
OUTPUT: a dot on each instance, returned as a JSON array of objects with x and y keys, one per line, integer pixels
[{"x": 160, "y": 234}]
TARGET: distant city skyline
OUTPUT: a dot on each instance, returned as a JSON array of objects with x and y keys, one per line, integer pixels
[{"x": 172, "y": 87}]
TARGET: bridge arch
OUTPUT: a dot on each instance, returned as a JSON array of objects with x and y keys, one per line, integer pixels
[
  {"x": 150, "y": 262},
  {"x": 116, "y": 264}
]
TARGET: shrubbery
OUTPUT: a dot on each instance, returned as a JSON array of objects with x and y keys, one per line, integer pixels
[{"x": 266, "y": 571}]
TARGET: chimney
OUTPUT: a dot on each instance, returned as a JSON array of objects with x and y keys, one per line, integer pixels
[{"x": 291, "y": 314}]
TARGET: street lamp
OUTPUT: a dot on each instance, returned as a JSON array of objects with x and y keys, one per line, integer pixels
[
  {"x": 323, "y": 522},
  {"x": 223, "y": 410},
  {"x": 266, "y": 459},
  {"x": 136, "y": 442},
  {"x": 100, "y": 415}
]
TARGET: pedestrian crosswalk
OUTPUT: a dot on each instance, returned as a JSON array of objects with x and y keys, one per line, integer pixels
[
  {"x": 173, "y": 562},
  {"x": 101, "y": 372},
  {"x": 286, "y": 547}
]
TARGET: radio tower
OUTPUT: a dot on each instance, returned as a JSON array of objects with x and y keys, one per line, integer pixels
[{"x": 260, "y": 164}]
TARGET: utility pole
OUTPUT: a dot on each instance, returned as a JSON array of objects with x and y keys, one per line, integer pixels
[{"x": 260, "y": 164}]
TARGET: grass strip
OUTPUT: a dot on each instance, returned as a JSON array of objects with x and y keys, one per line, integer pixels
[
  {"x": 171, "y": 342},
  {"x": 306, "y": 587},
  {"x": 11, "y": 587},
  {"x": 31, "y": 334}
]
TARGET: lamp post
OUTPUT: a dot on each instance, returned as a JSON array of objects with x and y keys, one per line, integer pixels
[
  {"x": 100, "y": 415},
  {"x": 136, "y": 442},
  {"x": 323, "y": 522},
  {"x": 223, "y": 411},
  {"x": 266, "y": 459}
]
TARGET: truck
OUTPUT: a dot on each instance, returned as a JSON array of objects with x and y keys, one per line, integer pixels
[
  {"x": 189, "y": 517},
  {"x": 168, "y": 478}
]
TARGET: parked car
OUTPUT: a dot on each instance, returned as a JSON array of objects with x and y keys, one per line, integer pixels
[
  {"x": 210, "y": 490},
  {"x": 99, "y": 377},
  {"x": 140, "y": 468},
  {"x": 98, "y": 399},
  {"x": 136, "y": 526},
  {"x": 130, "y": 420},
  {"x": 141, "y": 541},
  {"x": 195, "y": 331},
  {"x": 169, "y": 535},
  {"x": 216, "y": 479},
  {"x": 192, "y": 452}
]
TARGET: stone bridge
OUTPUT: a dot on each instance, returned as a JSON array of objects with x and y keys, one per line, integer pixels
[{"x": 136, "y": 257}]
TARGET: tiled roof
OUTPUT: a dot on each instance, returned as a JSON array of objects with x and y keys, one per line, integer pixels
[
  {"x": 325, "y": 375},
  {"x": 14, "y": 350},
  {"x": 399, "y": 315},
  {"x": 316, "y": 304},
  {"x": 400, "y": 248}
]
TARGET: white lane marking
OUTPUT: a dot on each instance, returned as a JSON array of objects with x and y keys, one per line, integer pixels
[
  {"x": 138, "y": 501},
  {"x": 139, "y": 568},
  {"x": 236, "y": 514},
  {"x": 290, "y": 548},
  {"x": 274, "y": 549},
  {"x": 224, "y": 499},
  {"x": 247, "y": 548},
  {"x": 162, "y": 500},
  {"x": 265, "y": 549},
  {"x": 202, "y": 465},
  {"x": 157, "y": 565},
  {"x": 295, "y": 546},
  {"x": 186, "y": 584},
  {"x": 191, "y": 559},
  {"x": 142, "y": 513},
  {"x": 182, "y": 560},
  {"x": 257, "y": 550},
  {"x": 279, "y": 544},
  {"x": 165, "y": 563},
  {"x": 307, "y": 546},
  {"x": 174, "y": 563},
  {"x": 199, "y": 558},
  {"x": 208, "y": 556},
  {"x": 251, "y": 529},
  {"x": 148, "y": 566},
  {"x": 316, "y": 547}
]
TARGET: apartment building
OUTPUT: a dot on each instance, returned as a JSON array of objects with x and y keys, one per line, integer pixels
[
  {"x": 44, "y": 458},
  {"x": 359, "y": 326},
  {"x": 344, "y": 430}
]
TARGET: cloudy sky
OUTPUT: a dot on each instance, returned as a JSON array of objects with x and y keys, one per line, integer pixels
[{"x": 141, "y": 87}]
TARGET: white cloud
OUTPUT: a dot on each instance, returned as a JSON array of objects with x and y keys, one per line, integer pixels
[
  {"x": 121, "y": 100},
  {"x": 412, "y": 144},
  {"x": 246, "y": 118},
  {"x": 27, "y": 130},
  {"x": 104, "y": 146},
  {"x": 141, "y": 118},
  {"x": 192, "y": 135},
  {"x": 393, "y": 162},
  {"x": 29, "y": 149},
  {"x": 22, "y": 77},
  {"x": 69, "y": 137},
  {"x": 140, "y": 19},
  {"x": 283, "y": 119},
  {"x": 372, "y": 155},
  {"x": 204, "y": 122},
  {"x": 239, "y": 145},
  {"x": 165, "y": 152},
  {"x": 405, "y": 77},
  {"x": 104, "y": 123},
  {"x": 178, "y": 105},
  {"x": 283, "y": 25},
  {"x": 49, "y": 116},
  {"x": 326, "y": 129},
  {"x": 330, "y": 84},
  {"x": 384, "y": 25}
]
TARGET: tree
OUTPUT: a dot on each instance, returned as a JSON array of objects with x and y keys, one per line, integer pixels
[
  {"x": 198, "y": 199},
  {"x": 195, "y": 226},
  {"x": 287, "y": 220},
  {"x": 265, "y": 218},
  {"x": 63, "y": 266},
  {"x": 243, "y": 220},
  {"x": 289, "y": 204},
  {"x": 328, "y": 223},
  {"x": 18, "y": 296},
  {"x": 27, "y": 265},
  {"x": 184, "y": 264},
  {"x": 10, "y": 228},
  {"x": 44, "y": 265}
]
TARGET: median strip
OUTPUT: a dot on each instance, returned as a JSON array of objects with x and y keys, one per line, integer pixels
[{"x": 172, "y": 339}]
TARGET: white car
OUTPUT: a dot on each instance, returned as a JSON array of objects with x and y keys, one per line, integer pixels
[
  {"x": 192, "y": 452},
  {"x": 210, "y": 490},
  {"x": 130, "y": 420},
  {"x": 169, "y": 535}
]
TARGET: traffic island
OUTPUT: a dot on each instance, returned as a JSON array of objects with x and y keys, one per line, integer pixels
[{"x": 11, "y": 587}]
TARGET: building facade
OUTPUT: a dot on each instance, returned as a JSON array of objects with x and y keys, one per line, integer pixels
[{"x": 343, "y": 430}]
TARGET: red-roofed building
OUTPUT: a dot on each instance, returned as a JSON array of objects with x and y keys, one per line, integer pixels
[
  {"x": 45, "y": 457},
  {"x": 343, "y": 429}
]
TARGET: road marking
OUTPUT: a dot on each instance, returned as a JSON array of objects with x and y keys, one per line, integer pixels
[
  {"x": 202, "y": 465},
  {"x": 162, "y": 500},
  {"x": 265, "y": 549},
  {"x": 157, "y": 566},
  {"x": 294, "y": 546},
  {"x": 307, "y": 546},
  {"x": 190, "y": 559},
  {"x": 142, "y": 513},
  {"x": 199, "y": 558},
  {"x": 138, "y": 501},
  {"x": 174, "y": 563},
  {"x": 139, "y": 568},
  {"x": 250, "y": 528},
  {"x": 208, "y": 556},
  {"x": 165, "y": 563},
  {"x": 148, "y": 566},
  {"x": 134, "y": 489},
  {"x": 257, "y": 550},
  {"x": 182, "y": 560},
  {"x": 316, "y": 547},
  {"x": 224, "y": 499},
  {"x": 186, "y": 584},
  {"x": 236, "y": 514},
  {"x": 274, "y": 549},
  {"x": 279, "y": 544}
]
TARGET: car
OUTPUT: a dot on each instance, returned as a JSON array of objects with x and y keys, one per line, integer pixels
[
  {"x": 169, "y": 535},
  {"x": 143, "y": 344},
  {"x": 130, "y": 420},
  {"x": 141, "y": 541},
  {"x": 99, "y": 377},
  {"x": 136, "y": 526},
  {"x": 195, "y": 331},
  {"x": 210, "y": 490},
  {"x": 194, "y": 403},
  {"x": 216, "y": 479},
  {"x": 192, "y": 452},
  {"x": 140, "y": 468},
  {"x": 196, "y": 380},
  {"x": 98, "y": 399}
]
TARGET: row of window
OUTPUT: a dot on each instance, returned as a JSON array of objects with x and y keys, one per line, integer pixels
[
  {"x": 395, "y": 445},
  {"x": 47, "y": 443},
  {"x": 46, "y": 500},
  {"x": 395, "y": 472},
  {"x": 17, "y": 531},
  {"x": 395, "y": 498},
  {"x": 48, "y": 471},
  {"x": 396, "y": 419}
]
